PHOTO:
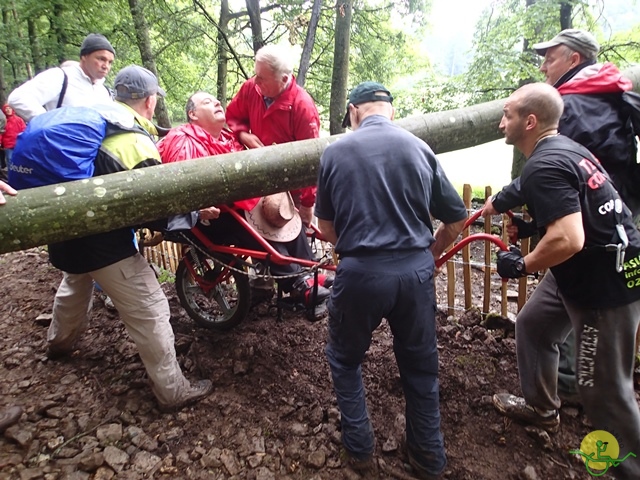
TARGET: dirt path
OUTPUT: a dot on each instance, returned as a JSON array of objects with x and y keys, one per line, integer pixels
[{"x": 272, "y": 414}]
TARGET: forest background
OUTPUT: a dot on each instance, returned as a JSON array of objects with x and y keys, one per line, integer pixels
[{"x": 434, "y": 55}]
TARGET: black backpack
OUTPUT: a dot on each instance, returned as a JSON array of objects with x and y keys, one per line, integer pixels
[{"x": 631, "y": 102}]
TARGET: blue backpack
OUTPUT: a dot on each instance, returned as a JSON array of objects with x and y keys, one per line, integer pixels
[{"x": 61, "y": 145}]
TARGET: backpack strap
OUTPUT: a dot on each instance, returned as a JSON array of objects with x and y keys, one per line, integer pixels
[{"x": 63, "y": 92}]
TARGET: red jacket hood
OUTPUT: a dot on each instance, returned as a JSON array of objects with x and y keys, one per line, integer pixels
[
  {"x": 191, "y": 141},
  {"x": 597, "y": 79}
]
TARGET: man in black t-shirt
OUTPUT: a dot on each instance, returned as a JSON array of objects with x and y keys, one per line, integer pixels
[
  {"x": 585, "y": 227},
  {"x": 377, "y": 188}
]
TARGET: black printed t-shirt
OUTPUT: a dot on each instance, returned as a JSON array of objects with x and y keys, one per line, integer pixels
[{"x": 561, "y": 178}]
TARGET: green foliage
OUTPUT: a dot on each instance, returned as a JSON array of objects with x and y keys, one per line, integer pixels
[{"x": 166, "y": 276}]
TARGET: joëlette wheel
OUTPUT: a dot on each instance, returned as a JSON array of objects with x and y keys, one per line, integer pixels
[{"x": 220, "y": 298}]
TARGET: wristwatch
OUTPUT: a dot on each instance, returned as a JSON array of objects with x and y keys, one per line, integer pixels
[{"x": 520, "y": 268}]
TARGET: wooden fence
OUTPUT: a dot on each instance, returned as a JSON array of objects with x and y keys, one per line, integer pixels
[{"x": 458, "y": 269}]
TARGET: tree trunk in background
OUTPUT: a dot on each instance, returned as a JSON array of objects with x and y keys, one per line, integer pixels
[
  {"x": 3, "y": 84},
  {"x": 253, "y": 8},
  {"x": 223, "y": 52},
  {"x": 148, "y": 59},
  {"x": 60, "y": 35},
  {"x": 33, "y": 44},
  {"x": 27, "y": 65},
  {"x": 525, "y": 46},
  {"x": 309, "y": 41},
  {"x": 340, "y": 74},
  {"x": 518, "y": 159},
  {"x": 4, "y": 88},
  {"x": 566, "y": 19},
  {"x": 54, "y": 213}
]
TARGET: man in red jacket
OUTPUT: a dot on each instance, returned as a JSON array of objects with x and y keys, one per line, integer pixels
[
  {"x": 271, "y": 108},
  {"x": 14, "y": 126},
  {"x": 205, "y": 135}
]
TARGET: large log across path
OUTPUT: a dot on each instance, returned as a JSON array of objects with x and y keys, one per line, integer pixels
[{"x": 43, "y": 215}]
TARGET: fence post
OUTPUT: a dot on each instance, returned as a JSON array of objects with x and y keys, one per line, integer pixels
[
  {"x": 466, "y": 250},
  {"x": 486, "y": 301}
]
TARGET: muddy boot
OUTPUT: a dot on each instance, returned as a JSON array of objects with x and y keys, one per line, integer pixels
[{"x": 196, "y": 392}]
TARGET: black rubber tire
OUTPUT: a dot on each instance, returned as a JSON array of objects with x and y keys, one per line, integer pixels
[{"x": 233, "y": 300}]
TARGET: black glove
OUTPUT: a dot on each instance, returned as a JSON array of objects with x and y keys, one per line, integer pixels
[
  {"x": 511, "y": 263},
  {"x": 525, "y": 229}
]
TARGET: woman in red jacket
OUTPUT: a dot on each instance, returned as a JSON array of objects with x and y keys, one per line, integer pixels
[{"x": 15, "y": 125}]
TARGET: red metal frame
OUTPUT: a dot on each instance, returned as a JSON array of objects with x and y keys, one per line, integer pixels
[{"x": 272, "y": 255}]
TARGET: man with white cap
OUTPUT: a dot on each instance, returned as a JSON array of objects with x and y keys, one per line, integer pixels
[
  {"x": 79, "y": 84},
  {"x": 594, "y": 116},
  {"x": 112, "y": 259}
]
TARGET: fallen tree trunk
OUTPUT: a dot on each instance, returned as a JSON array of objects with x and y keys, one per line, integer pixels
[{"x": 60, "y": 212}]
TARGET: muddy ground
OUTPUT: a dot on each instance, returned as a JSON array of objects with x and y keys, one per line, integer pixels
[{"x": 272, "y": 414}]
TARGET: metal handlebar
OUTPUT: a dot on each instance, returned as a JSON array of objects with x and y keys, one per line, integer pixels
[{"x": 471, "y": 238}]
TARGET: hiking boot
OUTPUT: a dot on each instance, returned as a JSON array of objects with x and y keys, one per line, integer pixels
[
  {"x": 518, "y": 409},
  {"x": 197, "y": 391},
  {"x": 419, "y": 469},
  {"x": 57, "y": 353},
  {"x": 366, "y": 467},
  {"x": 108, "y": 303},
  {"x": 318, "y": 312},
  {"x": 303, "y": 288},
  {"x": 9, "y": 416}
]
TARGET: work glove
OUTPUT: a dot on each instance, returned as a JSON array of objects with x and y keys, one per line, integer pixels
[
  {"x": 524, "y": 229},
  {"x": 511, "y": 263}
]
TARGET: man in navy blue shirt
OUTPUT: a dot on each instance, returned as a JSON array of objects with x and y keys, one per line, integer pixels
[{"x": 377, "y": 190}]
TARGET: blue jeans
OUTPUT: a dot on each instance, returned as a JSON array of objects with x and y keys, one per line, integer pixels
[
  {"x": 8, "y": 152},
  {"x": 398, "y": 287}
]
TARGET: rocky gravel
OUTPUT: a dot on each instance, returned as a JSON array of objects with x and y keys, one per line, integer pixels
[{"x": 272, "y": 414}]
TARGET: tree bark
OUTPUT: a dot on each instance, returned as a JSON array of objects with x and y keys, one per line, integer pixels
[
  {"x": 57, "y": 23},
  {"x": 309, "y": 41},
  {"x": 148, "y": 58},
  {"x": 253, "y": 8},
  {"x": 3, "y": 82},
  {"x": 340, "y": 74},
  {"x": 35, "y": 48},
  {"x": 223, "y": 51},
  {"x": 566, "y": 20},
  {"x": 4, "y": 50},
  {"x": 60, "y": 212},
  {"x": 18, "y": 34}
]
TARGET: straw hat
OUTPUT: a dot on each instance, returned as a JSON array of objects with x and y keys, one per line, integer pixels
[{"x": 275, "y": 218}]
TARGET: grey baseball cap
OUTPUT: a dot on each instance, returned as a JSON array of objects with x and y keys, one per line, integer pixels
[
  {"x": 578, "y": 40},
  {"x": 136, "y": 82}
]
